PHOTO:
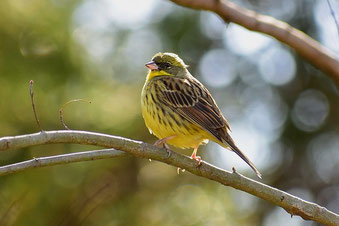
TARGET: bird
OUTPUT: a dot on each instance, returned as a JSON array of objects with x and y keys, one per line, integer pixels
[{"x": 180, "y": 111}]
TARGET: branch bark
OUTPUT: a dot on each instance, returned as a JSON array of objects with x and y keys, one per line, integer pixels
[
  {"x": 308, "y": 48},
  {"x": 61, "y": 159},
  {"x": 292, "y": 204}
]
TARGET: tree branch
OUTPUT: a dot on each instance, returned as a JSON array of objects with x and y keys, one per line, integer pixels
[
  {"x": 311, "y": 50},
  {"x": 292, "y": 204},
  {"x": 61, "y": 159}
]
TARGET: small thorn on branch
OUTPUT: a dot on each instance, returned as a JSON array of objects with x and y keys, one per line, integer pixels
[
  {"x": 33, "y": 106},
  {"x": 234, "y": 170},
  {"x": 62, "y": 108}
]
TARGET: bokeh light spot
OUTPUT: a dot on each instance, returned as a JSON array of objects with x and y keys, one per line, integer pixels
[
  {"x": 103, "y": 13},
  {"x": 267, "y": 118},
  {"x": 328, "y": 30},
  {"x": 141, "y": 45},
  {"x": 322, "y": 153},
  {"x": 212, "y": 25},
  {"x": 98, "y": 45},
  {"x": 266, "y": 112},
  {"x": 277, "y": 66},
  {"x": 217, "y": 68},
  {"x": 310, "y": 110},
  {"x": 282, "y": 10},
  {"x": 244, "y": 42}
]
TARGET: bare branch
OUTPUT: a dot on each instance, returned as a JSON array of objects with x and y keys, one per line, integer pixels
[
  {"x": 311, "y": 50},
  {"x": 33, "y": 106},
  {"x": 61, "y": 159},
  {"x": 292, "y": 204}
]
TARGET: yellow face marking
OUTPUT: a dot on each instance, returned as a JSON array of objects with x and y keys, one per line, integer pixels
[{"x": 153, "y": 74}]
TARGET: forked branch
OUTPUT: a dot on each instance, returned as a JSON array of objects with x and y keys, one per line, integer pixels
[{"x": 292, "y": 204}]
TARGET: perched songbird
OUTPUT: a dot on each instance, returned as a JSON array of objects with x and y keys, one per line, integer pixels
[{"x": 180, "y": 111}]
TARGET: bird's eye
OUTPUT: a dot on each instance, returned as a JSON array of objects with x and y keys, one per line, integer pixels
[{"x": 167, "y": 65}]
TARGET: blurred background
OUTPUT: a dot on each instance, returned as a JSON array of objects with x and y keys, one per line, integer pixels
[{"x": 283, "y": 112}]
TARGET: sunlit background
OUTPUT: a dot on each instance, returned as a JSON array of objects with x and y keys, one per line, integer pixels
[{"x": 283, "y": 111}]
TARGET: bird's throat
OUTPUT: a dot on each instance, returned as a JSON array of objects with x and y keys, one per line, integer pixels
[{"x": 153, "y": 74}]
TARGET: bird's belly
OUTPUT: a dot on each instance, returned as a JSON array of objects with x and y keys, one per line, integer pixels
[
  {"x": 187, "y": 141},
  {"x": 165, "y": 123}
]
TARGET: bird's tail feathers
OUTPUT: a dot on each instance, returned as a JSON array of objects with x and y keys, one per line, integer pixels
[{"x": 229, "y": 143}]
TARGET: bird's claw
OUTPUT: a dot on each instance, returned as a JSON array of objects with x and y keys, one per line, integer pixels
[
  {"x": 169, "y": 153},
  {"x": 168, "y": 150},
  {"x": 197, "y": 158},
  {"x": 160, "y": 143}
]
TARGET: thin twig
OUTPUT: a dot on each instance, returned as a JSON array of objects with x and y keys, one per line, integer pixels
[
  {"x": 292, "y": 204},
  {"x": 61, "y": 159},
  {"x": 33, "y": 106},
  {"x": 64, "y": 105},
  {"x": 333, "y": 15}
]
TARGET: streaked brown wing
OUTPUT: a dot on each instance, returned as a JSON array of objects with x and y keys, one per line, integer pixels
[{"x": 193, "y": 102}]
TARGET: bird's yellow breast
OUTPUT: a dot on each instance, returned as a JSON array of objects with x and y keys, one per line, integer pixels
[{"x": 162, "y": 121}]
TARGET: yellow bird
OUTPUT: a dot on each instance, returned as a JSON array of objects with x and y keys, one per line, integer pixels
[{"x": 180, "y": 111}]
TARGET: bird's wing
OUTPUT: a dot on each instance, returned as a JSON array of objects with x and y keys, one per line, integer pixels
[{"x": 192, "y": 101}]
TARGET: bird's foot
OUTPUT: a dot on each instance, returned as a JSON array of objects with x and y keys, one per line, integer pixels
[
  {"x": 159, "y": 143},
  {"x": 197, "y": 158},
  {"x": 162, "y": 143},
  {"x": 168, "y": 150}
]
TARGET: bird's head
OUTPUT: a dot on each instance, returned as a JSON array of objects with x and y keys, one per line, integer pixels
[{"x": 167, "y": 64}]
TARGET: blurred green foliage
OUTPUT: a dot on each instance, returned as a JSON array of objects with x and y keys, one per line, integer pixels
[{"x": 69, "y": 55}]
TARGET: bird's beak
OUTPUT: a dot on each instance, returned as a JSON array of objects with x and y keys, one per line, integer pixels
[{"x": 152, "y": 66}]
